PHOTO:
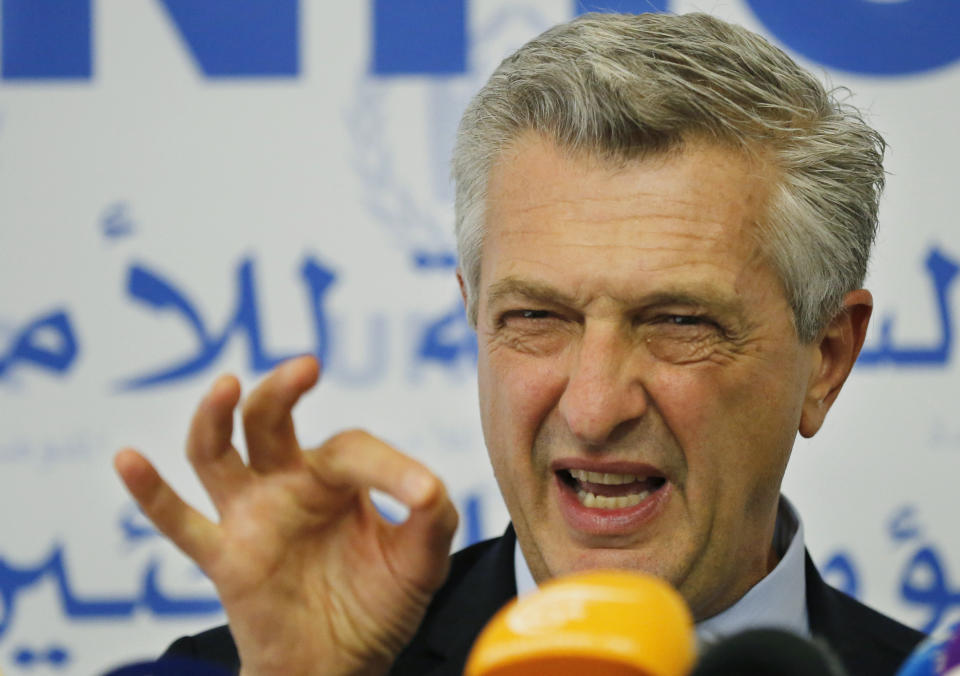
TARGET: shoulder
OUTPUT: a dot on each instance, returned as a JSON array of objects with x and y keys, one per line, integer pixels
[
  {"x": 889, "y": 642},
  {"x": 883, "y": 628},
  {"x": 489, "y": 557},
  {"x": 866, "y": 641},
  {"x": 214, "y": 647}
]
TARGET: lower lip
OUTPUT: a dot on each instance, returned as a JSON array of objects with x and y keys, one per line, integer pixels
[{"x": 621, "y": 521}]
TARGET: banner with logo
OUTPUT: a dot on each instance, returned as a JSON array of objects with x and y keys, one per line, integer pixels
[{"x": 192, "y": 188}]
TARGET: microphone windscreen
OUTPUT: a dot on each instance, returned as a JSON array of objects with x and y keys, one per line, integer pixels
[
  {"x": 763, "y": 652},
  {"x": 602, "y": 623}
]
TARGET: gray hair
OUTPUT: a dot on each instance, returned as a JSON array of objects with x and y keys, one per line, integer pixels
[{"x": 624, "y": 87}]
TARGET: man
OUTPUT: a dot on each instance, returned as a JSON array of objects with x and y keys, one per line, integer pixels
[{"x": 663, "y": 226}]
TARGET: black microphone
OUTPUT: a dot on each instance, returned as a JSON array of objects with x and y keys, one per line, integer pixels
[{"x": 763, "y": 652}]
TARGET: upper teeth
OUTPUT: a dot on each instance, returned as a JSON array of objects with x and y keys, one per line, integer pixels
[{"x": 602, "y": 477}]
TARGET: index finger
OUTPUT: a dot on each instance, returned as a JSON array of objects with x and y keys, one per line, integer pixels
[
  {"x": 419, "y": 547},
  {"x": 358, "y": 460}
]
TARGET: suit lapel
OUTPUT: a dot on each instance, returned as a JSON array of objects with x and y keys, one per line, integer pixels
[
  {"x": 826, "y": 617},
  {"x": 866, "y": 642}
]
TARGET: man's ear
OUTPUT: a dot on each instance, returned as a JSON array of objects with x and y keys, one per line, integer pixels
[{"x": 836, "y": 352}]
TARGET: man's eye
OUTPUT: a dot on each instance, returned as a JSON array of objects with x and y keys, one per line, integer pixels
[
  {"x": 683, "y": 339},
  {"x": 533, "y": 314},
  {"x": 514, "y": 315},
  {"x": 685, "y": 320},
  {"x": 527, "y": 319}
]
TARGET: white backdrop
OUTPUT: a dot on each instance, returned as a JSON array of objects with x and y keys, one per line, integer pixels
[{"x": 193, "y": 188}]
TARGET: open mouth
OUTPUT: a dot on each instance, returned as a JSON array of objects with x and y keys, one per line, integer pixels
[{"x": 607, "y": 490}]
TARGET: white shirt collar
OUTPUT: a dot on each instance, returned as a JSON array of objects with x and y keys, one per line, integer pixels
[
  {"x": 521, "y": 571},
  {"x": 778, "y": 600}
]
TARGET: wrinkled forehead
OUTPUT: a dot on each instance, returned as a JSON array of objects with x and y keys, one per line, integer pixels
[
  {"x": 705, "y": 187},
  {"x": 685, "y": 217}
]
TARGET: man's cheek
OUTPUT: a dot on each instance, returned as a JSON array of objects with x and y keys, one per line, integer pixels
[
  {"x": 707, "y": 403},
  {"x": 525, "y": 391},
  {"x": 687, "y": 400}
]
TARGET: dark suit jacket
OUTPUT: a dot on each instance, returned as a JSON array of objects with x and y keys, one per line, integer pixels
[{"x": 481, "y": 581}]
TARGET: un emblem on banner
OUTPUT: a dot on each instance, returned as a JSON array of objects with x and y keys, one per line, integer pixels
[{"x": 402, "y": 130}]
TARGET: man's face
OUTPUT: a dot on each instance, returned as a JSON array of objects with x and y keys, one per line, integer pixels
[{"x": 641, "y": 380}]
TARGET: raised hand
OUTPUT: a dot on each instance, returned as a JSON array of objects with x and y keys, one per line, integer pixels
[{"x": 312, "y": 579}]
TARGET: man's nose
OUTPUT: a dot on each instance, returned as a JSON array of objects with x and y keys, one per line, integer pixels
[{"x": 603, "y": 392}]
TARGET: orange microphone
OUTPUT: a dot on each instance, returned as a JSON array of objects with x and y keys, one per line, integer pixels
[{"x": 602, "y": 623}]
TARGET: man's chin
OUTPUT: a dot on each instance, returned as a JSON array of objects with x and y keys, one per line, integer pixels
[{"x": 576, "y": 559}]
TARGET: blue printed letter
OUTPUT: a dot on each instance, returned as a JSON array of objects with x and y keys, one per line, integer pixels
[
  {"x": 622, "y": 6},
  {"x": 419, "y": 37},
  {"x": 230, "y": 38},
  {"x": 46, "y": 39},
  {"x": 862, "y": 36}
]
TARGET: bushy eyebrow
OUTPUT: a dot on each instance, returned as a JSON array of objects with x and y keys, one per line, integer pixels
[
  {"x": 531, "y": 290},
  {"x": 546, "y": 293},
  {"x": 714, "y": 302}
]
